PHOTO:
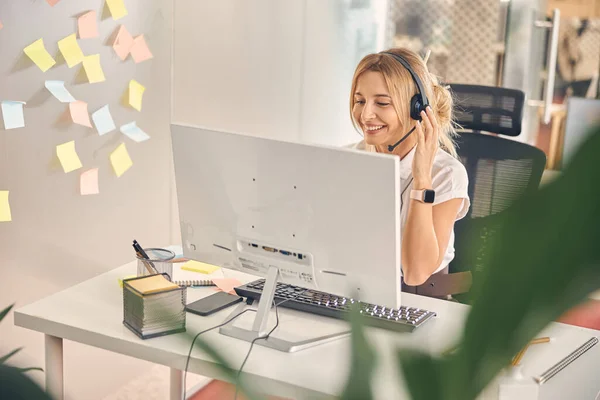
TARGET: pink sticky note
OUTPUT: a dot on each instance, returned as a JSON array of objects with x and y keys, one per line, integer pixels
[
  {"x": 79, "y": 113},
  {"x": 123, "y": 43},
  {"x": 1, "y": 25},
  {"x": 226, "y": 284},
  {"x": 88, "y": 27},
  {"x": 140, "y": 51},
  {"x": 88, "y": 182},
  {"x": 52, "y": 2}
]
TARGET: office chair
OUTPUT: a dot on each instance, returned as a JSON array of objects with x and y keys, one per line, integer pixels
[{"x": 499, "y": 170}]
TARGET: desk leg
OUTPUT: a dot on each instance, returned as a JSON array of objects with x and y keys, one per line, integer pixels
[
  {"x": 54, "y": 366},
  {"x": 176, "y": 387}
]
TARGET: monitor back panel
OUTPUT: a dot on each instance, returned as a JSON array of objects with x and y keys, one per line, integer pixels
[{"x": 328, "y": 218}]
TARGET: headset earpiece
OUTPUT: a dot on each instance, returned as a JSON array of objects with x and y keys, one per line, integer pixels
[
  {"x": 419, "y": 101},
  {"x": 416, "y": 106}
]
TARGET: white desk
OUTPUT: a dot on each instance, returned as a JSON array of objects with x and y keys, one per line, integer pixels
[{"x": 91, "y": 313}]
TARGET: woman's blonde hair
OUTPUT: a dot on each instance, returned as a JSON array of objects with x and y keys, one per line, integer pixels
[{"x": 402, "y": 88}]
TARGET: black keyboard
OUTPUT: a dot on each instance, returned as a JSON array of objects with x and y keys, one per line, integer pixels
[{"x": 403, "y": 319}]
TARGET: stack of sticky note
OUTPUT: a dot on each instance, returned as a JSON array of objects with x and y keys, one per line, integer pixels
[{"x": 153, "y": 306}]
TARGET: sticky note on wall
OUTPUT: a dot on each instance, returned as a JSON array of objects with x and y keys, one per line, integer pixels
[
  {"x": 87, "y": 25},
  {"x": 52, "y": 2},
  {"x": 123, "y": 42},
  {"x": 79, "y": 113},
  {"x": 58, "y": 90},
  {"x": 117, "y": 8},
  {"x": 139, "y": 50},
  {"x": 120, "y": 160},
  {"x": 5, "y": 215},
  {"x": 136, "y": 92},
  {"x": 133, "y": 132},
  {"x": 103, "y": 121},
  {"x": 70, "y": 50},
  {"x": 39, "y": 55},
  {"x": 12, "y": 111},
  {"x": 93, "y": 69},
  {"x": 88, "y": 182},
  {"x": 68, "y": 156}
]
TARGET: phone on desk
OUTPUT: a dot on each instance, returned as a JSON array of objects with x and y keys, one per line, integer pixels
[{"x": 213, "y": 303}]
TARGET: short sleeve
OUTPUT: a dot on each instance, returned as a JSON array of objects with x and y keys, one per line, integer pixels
[{"x": 451, "y": 182}]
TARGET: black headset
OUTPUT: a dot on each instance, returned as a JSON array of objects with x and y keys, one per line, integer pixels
[{"x": 419, "y": 101}]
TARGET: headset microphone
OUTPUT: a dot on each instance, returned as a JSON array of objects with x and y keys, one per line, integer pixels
[{"x": 391, "y": 147}]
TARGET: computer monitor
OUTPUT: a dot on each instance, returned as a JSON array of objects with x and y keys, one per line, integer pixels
[
  {"x": 319, "y": 217},
  {"x": 583, "y": 115}
]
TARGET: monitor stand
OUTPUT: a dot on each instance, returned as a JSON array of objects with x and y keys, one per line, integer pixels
[{"x": 259, "y": 327}]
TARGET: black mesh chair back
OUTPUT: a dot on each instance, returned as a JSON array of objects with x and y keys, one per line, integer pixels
[
  {"x": 488, "y": 108},
  {"x": 500, "y": 171}
]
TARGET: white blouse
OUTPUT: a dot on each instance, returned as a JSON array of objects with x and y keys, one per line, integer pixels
[{"x": 449, "y": 180}]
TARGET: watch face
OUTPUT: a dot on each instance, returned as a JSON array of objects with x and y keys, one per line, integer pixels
[{"x": 429, "y": 196}]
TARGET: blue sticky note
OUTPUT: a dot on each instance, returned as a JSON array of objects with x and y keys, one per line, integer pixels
[
  {"x": 132, "y": 131},
  {"x": 13, "y": 114},
  {"x": 58, "y": 90},
  {"x": 103, "y": 121}
]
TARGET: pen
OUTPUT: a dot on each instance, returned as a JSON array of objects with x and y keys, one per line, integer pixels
[
  {"x": 559, "y": 366},
  {"x": 517, "y": 358},
  {"x": 142, "y": 254}
]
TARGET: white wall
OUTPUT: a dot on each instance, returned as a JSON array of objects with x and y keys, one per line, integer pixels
[
  {"x": 272, "y": 68},
  {"x": 57, "y": 237}
]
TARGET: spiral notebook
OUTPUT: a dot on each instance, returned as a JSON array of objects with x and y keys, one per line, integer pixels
[{"x": 195, "y": 282}]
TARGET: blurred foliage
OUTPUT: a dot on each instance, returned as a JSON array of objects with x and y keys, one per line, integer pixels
[{"x": 14, "y": 384}]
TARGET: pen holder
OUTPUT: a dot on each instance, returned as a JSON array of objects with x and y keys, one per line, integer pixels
[{"x": 159, "y": 261}]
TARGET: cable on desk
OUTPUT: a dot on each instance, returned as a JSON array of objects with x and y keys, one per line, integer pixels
[
  {"x": 262, "y": 337},
  {"x": 187, "y": 363}
]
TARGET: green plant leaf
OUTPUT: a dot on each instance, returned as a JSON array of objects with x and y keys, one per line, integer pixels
[
  {"x": 31, "y": 369},
  {"x": 4, "y": 312},
  {"x": 15, "y": 385},
  {"x": 417, "y": 368},
  {"x": 543, "y": 261},
  {"x": 4, "y": 358},
  {"x": 362, "y": 361}
]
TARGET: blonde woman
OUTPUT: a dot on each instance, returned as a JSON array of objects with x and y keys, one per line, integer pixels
[{"x": 391, "y": 92}]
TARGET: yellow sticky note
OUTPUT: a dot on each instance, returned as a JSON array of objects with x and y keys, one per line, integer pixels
[
  {"x": 120, "y": 160},
  {"x": 88, "y": 182},
  {"x": 197, "y": 266},
  {"x": 117, "y": 8},
  {"x": 68, "y": 156},
  {"x": 136, "y": 91},
  {"x": 38, "y": 54},
  {"x": 4, "y": 207},
  {"x": 93, "y": 69},
  {"x": 125, "y": 278},
  {"x": 70, "y": 50}
]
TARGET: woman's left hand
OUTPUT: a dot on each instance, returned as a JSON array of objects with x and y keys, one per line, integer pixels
[{"x": 428, "y": 133}]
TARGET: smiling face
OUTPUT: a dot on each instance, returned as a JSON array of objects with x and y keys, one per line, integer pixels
[{"x": 374, "y": 111}]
